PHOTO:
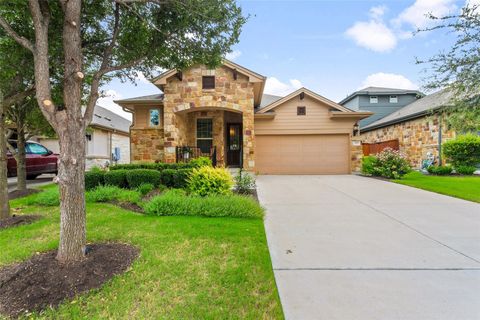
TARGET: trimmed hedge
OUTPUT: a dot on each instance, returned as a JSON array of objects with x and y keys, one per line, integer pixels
[
  {"x": 463, "y": 151},
  {"x": 440, "y": 170},
  {"x": 116, "y": 178},
  {"x": 465, "y": 170},
  {"x": 194, "y": 163},
  {"x": 137, "y": 177},
  {"x": 94, "y": 178}
]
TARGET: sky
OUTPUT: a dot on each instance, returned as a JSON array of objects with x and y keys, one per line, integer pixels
[{"x": 332, "y": 47}]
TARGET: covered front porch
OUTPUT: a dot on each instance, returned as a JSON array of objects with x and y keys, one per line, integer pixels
[{"x": 217, "y": 134}]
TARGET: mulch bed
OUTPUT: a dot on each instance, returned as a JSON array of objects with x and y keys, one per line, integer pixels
[
  {"x": 43, "y": 282},
  {"x": 15, "y": 220},
  {"x": 149, "y": 196},
  {"x": 128, "y": 206},
  {"x": 19, "y": 194}
]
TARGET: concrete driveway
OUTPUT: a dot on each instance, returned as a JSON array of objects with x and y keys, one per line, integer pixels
[{"x": 349, "y": 247}]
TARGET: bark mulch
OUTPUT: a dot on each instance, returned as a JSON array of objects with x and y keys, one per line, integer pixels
[
  {"x": 43, "y": 282},
  {"x": 128, "y": 206},
  {"x": 19, "y": 194},
  {"x": 149, "y": 196},
  {"x": 15, "y": 220}
]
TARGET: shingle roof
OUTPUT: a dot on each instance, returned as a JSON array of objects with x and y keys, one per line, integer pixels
[
  {"x": 415, "y": 109},
  {"x": 268, "y": 99},
  {"x": 379, "y": 91},
  {"x": 109, "y": 120},
  {"x": 152, "y": 97}
]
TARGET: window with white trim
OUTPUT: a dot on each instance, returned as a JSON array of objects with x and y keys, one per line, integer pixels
[
  {"x": 373, "y": 99},
  {"x": 393, "y": 99},
  {"x": 205, "y": 134}
]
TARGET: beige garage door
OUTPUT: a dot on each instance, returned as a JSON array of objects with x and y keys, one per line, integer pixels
[{"x": 302, "y": 154}]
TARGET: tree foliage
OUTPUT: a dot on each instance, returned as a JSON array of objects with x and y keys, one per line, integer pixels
[{"x": 458, "y": 68}]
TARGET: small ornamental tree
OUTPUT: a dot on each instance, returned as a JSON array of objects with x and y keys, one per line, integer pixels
[{"x": 101, "y": 40}]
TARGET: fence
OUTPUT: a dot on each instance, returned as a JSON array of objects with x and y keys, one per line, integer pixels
[{"x": 374, "y": 148}]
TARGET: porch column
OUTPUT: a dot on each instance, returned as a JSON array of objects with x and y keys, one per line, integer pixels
[{"x": 248, "y": 141}]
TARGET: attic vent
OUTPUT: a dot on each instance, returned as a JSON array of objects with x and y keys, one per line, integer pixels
[
  {"x": 97, "y": 115},
  {"x": 301, "y": 111},
  {"x": 108, "y": 119}
]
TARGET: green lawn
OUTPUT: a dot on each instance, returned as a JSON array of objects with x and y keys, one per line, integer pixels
[
  {"x": 189, "y": 267},
  {"x": 467, "y": 188}
]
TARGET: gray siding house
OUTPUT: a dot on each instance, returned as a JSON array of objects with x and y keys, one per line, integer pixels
[{"x": 380, "y": 101}]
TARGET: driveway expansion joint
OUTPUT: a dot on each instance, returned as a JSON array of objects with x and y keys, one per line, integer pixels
[{"x": 376, "y": 269}]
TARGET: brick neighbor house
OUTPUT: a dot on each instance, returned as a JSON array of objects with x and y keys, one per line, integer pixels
[{"x": 223, "y": 113}]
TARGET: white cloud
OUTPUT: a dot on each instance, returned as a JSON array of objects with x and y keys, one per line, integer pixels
[
  {"x": 373, "y": 35},
  {"x": 377, "y": 12},
  {"x": 233, "y": 55},
  {"x": 106, "y": 101},
  {"x": 276, "y": 87},
  {"x": 415, "y": 16},
  {"x": 388, "y": 80}
]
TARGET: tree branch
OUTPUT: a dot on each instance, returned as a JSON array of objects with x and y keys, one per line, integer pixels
[
  {"x": 18, "y": 97},
  {"x": 24, "y": 42}
]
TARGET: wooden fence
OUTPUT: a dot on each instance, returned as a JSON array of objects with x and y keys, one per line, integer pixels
[{"x": 374, "y": 148}]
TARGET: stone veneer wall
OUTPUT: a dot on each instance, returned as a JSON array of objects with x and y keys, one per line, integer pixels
[
  {"x": 146, "y": 144},
  {"x": 187, "y": 95},
  {"x": 416, "y": 137},
  {"x": 356, "y": 154}
]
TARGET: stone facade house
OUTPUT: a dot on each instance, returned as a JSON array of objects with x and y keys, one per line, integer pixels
[
  {"x": 108, "y": 139},
  {"x": 418, "y": 127},
  {"x": 224, "y": 114}
]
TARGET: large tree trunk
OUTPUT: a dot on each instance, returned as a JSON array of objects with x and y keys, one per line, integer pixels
[
  {"x": 21, "y": 159},
  {"x": 4, "y": 205},
  {"x": 71, "y": 174},
  {"x": 71, "y": 170}
]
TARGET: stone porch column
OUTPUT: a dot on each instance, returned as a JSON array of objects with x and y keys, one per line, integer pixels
[{"x": 248, "y": 141}]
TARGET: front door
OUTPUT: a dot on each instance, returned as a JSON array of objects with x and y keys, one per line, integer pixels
[{"x": 234, "y": 144}]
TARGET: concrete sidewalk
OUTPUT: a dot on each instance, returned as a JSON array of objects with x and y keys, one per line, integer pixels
[{"x": 348, "y": 247}]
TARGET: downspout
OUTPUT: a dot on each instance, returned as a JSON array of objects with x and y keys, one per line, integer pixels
[{"x": 130, "y": 132}]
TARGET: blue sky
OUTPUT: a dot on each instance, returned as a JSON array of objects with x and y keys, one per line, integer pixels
[{"x": 330, "y": 47}]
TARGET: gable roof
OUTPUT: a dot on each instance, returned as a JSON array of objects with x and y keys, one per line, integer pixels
[
  {"x": 380, "y": 91},
  {"x": 308, "y": 92},
  {"x": 416, "y": 109},
  {"x": 108, "y": 120},
  {"x": 268, "y": 99}
]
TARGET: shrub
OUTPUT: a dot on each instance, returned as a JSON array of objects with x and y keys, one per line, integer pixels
[
  {"x": 94, "y": 178},
  {"x": 244, "y": 183},
  {"x": 368, "y": 165},
  {"x": 137, "y": 177},
  {"x": 390, "y": 164},
  {"x": 48, "y": 198},
  {"x": 201, "y": 162},
  {"x": 168, "y": 177},
  {"x": 463, "y": 151},
  {"x": 156, "y": 166},
  {"x": 206, "y": 181},
  {"x": 145, "y": 188},
  {"x": 175, "y": 202},
  {"x": 180, "y": 178},
  {"x": 440, "y": 170},
  {"x": 116, "y": 178},
  {"x": 111, "y": 193},
  {"x": 465, "y": 170}
]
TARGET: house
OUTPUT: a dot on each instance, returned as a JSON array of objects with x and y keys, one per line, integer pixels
[
  {"x": 223, "y": 113},
  {"x": 380, "y": 101},
  {"x": 418, "y": 127},
  {"x": 108, "y": 139}
]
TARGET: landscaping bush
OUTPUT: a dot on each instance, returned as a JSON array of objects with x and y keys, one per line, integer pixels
[
  {"x": 137, "y": 177},
  {"x": 175, "y": 202},
  {"x": 168, "y": 177},
  {"x": 48, "y": 198},
  {"x": 390, "y": 164},
  {"x": 368, "y": 165},
  {"x": 440, "y": 170},
  {"x": 244, "y": 183},
  {"x": 206, "y": 181},
  {"x": 116, "y": 178},
  {"x": 465, "y": 170},
  {"x": 145, "y": 188},
  {"x": 94, "y": 178},
  {"x": 180, "y": 178},
  {"x": 201, "y": 162},
  {"x": 463, "y": 151},
  {"x": 158, "y": 166},
  {"x": 112, "y": 193}
]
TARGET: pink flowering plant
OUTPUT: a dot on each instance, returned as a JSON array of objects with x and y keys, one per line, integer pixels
[{"x": 390, "y": 164}]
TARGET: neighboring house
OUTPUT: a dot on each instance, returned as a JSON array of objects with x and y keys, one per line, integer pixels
[
  {"x": 380, "y": 101},
  {"x": 418, "y": 128},
  {"x": 224, "y": 114},
  {"x": 108, "y": 139}
]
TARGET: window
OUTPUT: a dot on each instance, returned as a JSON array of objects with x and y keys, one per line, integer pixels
[
  {"x": 393, "y": 99},
  {"x": 34, "y": 148},
  {"x": 208, "y": 82},
  {"x": 205, "y": 134},
  {"x": 301, "y": 111},
  {"x": 373, "y": 99},
  {"x": 154, "y": 117}
]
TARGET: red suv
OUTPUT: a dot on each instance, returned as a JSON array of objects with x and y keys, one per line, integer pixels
[{"x": 39, "y": 160}]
